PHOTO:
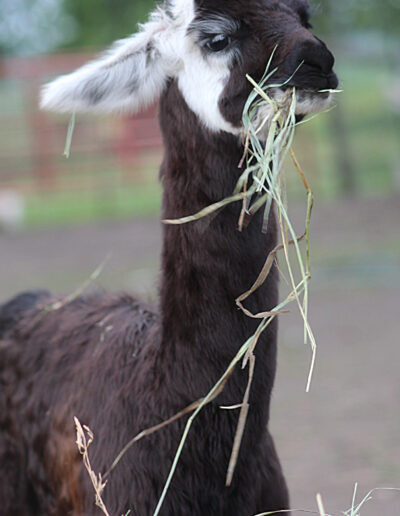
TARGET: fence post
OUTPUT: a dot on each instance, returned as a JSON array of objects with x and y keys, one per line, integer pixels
[{"x": 43, "y": 169}]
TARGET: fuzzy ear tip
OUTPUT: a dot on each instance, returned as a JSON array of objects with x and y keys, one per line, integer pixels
[
  {"x": 57, "y": 96},
  {"x": 50, "y": 100},
  {"x": 45, "y": 98}
]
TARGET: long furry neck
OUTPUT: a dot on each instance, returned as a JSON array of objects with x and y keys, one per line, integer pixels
[{"x": 207, "y": 264}]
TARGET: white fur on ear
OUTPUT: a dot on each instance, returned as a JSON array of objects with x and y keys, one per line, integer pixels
[{"x": 128, "y": 77}]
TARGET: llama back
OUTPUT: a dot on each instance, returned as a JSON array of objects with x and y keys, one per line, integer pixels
[
  {"x": 15, "y": 309},
  {"x": 92, "y": 346}
]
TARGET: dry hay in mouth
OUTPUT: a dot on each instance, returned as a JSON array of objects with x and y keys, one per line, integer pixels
[{"x": 261, "y": 186}]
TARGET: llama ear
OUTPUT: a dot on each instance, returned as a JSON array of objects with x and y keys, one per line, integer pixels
[{"x": 128, "y": 77}]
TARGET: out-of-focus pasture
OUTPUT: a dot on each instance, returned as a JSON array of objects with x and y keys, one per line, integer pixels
[{"x": 112, "y": 169}]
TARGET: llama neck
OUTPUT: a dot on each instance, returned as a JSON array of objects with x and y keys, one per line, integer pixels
[{"x": 207, "y": 264}]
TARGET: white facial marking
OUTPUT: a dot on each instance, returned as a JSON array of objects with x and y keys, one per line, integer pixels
[
  {"x": 201, "y": 83},
  {"x": 202, "y": 78},
  {"x": 183, "y": 9}
]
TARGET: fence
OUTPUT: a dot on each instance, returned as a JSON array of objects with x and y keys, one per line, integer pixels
[
  {"x": 353, "y": 150},
  {"x": 32, "y": 142}
]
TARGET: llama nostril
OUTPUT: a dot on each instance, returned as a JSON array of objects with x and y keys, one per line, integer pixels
[
  {"x": 315, "y": 54},
  {"x": 310, "y": 66}
]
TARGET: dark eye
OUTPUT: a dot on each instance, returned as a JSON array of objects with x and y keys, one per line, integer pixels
[{"x": 218, "y": 43}]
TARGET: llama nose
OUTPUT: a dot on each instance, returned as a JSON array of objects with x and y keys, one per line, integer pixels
[
  {"x": 314, "y": 64},
  {"x": 315, "y": 54}
]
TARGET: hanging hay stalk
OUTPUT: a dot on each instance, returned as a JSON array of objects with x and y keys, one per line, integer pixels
[{"x": 264, "y": 174}]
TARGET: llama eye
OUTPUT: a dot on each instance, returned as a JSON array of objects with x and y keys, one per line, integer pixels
[{"x": 218, "y": 43}]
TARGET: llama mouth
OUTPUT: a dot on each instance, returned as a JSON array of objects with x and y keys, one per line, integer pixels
[
  {"x": 312, "y": 101},
  {"x": 307, "y": 102}
]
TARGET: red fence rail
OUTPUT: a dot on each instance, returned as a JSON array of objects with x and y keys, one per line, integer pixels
[{"x": 32, "y": 142}]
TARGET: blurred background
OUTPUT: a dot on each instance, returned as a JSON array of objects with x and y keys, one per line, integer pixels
[{"x": 59, "y": 219}]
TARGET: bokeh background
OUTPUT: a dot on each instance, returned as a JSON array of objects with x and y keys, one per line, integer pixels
[{"x": 59, "y": 219}]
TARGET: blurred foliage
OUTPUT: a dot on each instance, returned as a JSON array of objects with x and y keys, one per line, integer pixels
[
  {"x": 338, "y": 16},
  {"x": 102, "y": 21},
  {"x": 99, "y": 22},
  {"x": 31, "y": 26}
]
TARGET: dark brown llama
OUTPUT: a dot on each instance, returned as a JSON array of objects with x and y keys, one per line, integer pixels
[{"x": 121, "y": 366}]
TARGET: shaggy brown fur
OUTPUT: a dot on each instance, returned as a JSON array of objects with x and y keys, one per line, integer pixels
[{"x": 121, "y": 367}]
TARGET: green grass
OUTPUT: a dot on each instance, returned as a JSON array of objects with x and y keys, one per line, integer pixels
[{"x": 78, "y": 207}]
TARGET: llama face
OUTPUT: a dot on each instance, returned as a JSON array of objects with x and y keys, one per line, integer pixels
[
  {"x": 207, "y": 47},
  {"x": 301, "y": 60}
]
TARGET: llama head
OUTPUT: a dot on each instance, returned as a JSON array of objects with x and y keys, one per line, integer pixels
[{"x": 207, "y": 47}]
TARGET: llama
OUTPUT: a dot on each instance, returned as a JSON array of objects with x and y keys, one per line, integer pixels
[{"x": 121, "y": 366}]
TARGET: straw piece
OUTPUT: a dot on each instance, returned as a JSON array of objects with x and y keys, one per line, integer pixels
[
  {"x": 260, "y": 281},
  {"x": 70, "y": 132}
]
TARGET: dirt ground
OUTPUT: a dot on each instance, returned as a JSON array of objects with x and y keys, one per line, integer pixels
[{"x": 347, "y": 429}]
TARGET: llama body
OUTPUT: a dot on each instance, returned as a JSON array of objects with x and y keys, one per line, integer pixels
[{"x": 122, "y": 367}]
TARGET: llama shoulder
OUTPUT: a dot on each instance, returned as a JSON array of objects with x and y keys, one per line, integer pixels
[
  {"x": 35, "y": 314},
  {"x": 92, "y": 339}
]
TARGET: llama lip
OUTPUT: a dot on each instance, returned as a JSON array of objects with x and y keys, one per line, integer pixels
[
  {"x": 320, "y": 93},
  {"x": 307, "y": 102},
  {"x": 312, "y": 101}
]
